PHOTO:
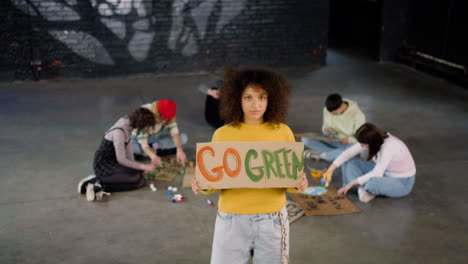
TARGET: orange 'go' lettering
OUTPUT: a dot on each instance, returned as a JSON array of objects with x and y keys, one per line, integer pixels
[
  {"x": 229, "y": 172},
  {"x": 219, "y": 170}
]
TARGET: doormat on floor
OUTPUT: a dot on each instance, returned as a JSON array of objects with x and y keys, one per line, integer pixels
[
  {"x": 329, "y": 203},
  {"x": 167, "y": 172},
  {"x": 294, "y": 211}
]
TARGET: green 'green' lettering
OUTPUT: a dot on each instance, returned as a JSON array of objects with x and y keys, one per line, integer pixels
[
  {"x": 297, "y": 165},
  {"x": 287, "y": 164},
  {"x": 278, "y": 163},
  {"x": 248, "y": 170},
  {"x": 268, "y": 158}
]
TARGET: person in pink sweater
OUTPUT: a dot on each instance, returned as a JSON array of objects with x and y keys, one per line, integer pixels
[{"x": 388, "y": 171}]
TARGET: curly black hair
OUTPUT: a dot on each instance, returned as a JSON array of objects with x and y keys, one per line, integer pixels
[
  {"x": 142, "y": 118},
  {"x": 235, "y": 82}
]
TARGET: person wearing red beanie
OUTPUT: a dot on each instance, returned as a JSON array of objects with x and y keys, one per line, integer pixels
[
  {"x": 166, "y": 108},
  {"x": 163, "y": 137}
]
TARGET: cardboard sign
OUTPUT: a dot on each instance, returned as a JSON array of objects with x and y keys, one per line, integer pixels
[
  {"x": 318, "y": 136},
  {"x": 294, "y": 211},
  {"x": 188, "y": 177},
  {"x": 167, "y": 172},
  {"x": 330, "y": 203},
  {"x": 223, "y": 165}
]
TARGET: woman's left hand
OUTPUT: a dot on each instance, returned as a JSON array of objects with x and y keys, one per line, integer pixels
[
  {"x": 303, "y": 184},
  {"x": 343, "y": 190},
  {"x": 181, "y": 157}
]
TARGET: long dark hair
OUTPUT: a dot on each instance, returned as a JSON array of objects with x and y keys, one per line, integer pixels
[
  {"x": 235, "y": 82},
  {"x": 141, "y": 118},
  {"x": 371, "y": 135}
]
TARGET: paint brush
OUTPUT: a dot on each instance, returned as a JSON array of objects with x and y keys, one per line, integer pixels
[{"x": 326, "y": 178}]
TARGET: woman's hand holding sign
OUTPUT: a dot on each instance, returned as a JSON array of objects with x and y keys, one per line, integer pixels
[
  {"x": 303, "y": 184},
  {"x": 196, "y": 186}
]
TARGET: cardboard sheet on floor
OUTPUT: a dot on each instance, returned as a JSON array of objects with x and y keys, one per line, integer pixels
[
  {"x": 318, "y": 136},
  {"x": 166, "y": 173},
  {"x": 294, "y": 211},
  {"x": 329, "y": 203},
  {"x": 188, "y": 177}
]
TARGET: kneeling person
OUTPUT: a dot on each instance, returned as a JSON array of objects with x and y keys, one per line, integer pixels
[{"x": 114, "y": 165}]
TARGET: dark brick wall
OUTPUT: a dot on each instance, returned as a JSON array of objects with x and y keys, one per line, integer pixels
[{"x": 93, "y": 38}]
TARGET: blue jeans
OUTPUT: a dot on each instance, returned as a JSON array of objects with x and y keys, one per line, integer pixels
[
  {"x": 331, "y": 150},
  {"x": 385, "y": 186},
  {"x": 164, "y": 140},
  {"x": 236, "y": 234}
]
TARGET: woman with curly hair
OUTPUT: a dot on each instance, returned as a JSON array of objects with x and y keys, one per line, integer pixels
[
  {"x": 114, "y": 165},
  {"x": 252, "y": 220},
  {"x": 389, "y": 170}
]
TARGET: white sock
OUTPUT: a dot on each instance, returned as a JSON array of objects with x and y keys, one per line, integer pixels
[{"x": 365, "y": 196}]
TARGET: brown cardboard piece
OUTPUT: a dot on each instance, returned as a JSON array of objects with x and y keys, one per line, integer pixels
[
  {"x": 223, "y": 165},
  {"x": 330, "y": 203},
  {"x": 294, "y": 211},
  {"x": 318, "y": 136},
  {"x": 188, "y": 177},
  {"x": 168, "y": 172}
]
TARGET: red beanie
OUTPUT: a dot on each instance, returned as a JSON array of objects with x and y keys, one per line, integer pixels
[{"x": 166, "y": 108}]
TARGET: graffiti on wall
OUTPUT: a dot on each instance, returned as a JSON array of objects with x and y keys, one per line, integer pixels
[
  {"x": 183, "y": 37},
  {"x": 131, "y": 23}
]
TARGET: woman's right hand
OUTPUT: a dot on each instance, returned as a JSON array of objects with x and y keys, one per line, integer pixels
[
  {"x": 329, "y": 132},
  {"x": 328, "y": 174},
  {"x": 213, "y": 93},
  {"x": 195, "y": 187},
  {"x": 149, "y": 167},
  {"x": 156, "y": 161}
]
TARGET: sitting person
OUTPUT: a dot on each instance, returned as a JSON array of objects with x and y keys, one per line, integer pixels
[
  {"x": 341, "y": 119},
  {"x": 212, "y": 102},
  {"x": 391, "y": 172},
  {"x": 162, "y": 138},
  {"x": 114, "y": 165}
]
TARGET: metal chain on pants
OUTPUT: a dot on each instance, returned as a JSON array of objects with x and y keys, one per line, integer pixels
[{"x": 284, "y": 254}]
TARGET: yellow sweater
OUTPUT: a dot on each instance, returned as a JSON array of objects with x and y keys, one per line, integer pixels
[{"x": 252, "y": 200}]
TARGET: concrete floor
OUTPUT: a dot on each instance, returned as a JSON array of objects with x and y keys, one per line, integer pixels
[{"x": 51, "y": 129}]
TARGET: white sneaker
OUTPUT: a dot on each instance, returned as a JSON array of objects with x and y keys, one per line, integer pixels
[
  {"x": 84, "y": 182},
  {"x": 365, "y": 196},
  {"x": 94, "y": 192},
  {"x": 90, "y": 194},
  {"x": 310, "y": 154},
  {"x": 101, "y": 194}
]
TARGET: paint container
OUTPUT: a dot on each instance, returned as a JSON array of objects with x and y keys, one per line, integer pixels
[
  {"x": 178, "y": 198},
  {"x": 169, "y": 190},
  {"x": 174, "y": 189}
]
